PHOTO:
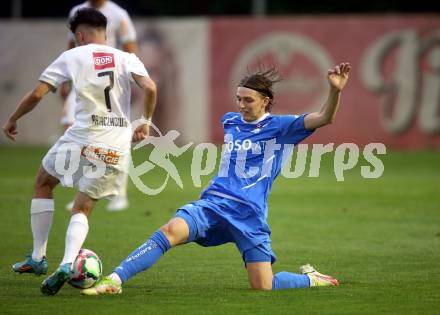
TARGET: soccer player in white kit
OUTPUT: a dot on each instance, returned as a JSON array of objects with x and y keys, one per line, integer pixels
[
  {"x": 97, "y": 143},
  {"x": 120, "y": 34}
]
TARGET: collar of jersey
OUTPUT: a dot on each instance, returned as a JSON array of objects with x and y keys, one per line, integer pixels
[{"x": 255, "y": 121}]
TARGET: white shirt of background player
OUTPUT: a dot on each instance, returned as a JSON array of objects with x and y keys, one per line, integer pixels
[{"x": 120, "y": 30}]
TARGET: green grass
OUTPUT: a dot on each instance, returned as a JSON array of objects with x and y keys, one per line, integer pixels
[{"x": 379, "y": 237}]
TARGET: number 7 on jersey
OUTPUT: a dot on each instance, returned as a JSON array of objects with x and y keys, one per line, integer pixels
[{"x": 108, "y": 88}]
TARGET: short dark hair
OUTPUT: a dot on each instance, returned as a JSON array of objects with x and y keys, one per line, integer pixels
[
  {"x": 262, "y": 81},
  {"x": 88, "y": 16}
]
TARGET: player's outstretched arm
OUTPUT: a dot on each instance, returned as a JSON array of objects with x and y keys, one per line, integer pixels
[
  {"x": 149, "y": 87},
  {"x": 337, "y": 78},
  {"x": 28, "y": 103}
]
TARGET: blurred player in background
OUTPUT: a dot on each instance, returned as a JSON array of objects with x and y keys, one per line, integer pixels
[
  {"x": 98, "y": 143},
  {"x": 233, "y": 208},
  {"x": 121, "y": 34}
]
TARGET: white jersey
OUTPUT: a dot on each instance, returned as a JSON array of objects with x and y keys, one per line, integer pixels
[
  {"x": 101, "y": 78},
  {"x": 120, "y": 29}
]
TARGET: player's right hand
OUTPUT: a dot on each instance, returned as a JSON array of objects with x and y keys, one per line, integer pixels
[
  {"x": 10, "y": 129},
  {"x": 140, "y": 133}
]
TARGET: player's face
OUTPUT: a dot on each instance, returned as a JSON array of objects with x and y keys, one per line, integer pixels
[{"x": 251, "y": 104}]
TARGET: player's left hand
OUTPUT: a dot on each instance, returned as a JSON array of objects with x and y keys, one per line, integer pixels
[
  {"x": 10, "y": 129},
  {"x": 338, "y": 76},
  {"x": 140, "y": 133}
]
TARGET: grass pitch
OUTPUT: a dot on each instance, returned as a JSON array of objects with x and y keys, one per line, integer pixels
[{"x": 379, "y": 237}]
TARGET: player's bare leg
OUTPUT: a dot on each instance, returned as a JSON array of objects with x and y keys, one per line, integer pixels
[
  {"x": 44, "y": 184},
  {"x": 42, "y": 208},
  {"x": 260, "y": 275},
  {"x": 174, "y": 233},
  {"x": 75, "y": 237}
]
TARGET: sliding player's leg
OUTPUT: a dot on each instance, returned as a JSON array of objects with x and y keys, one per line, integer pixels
[
  {"x": 259, "y": 261},
  {"x": 261, "y": 277},
  {"x": 174, "y": 233}
]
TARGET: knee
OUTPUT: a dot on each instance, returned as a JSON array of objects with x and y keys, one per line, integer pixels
[
  {"x": 176, "y": 231},
  {"x": 169, "y": 230},
  {"x": 83, "y": 204},
  {"x": 42, "y": 185}
]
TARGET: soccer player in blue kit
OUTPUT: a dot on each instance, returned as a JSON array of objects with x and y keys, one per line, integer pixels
[{"x": 233, "y": 208}]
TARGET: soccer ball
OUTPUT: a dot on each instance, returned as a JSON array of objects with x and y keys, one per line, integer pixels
[{"x": 86, "y": 269}]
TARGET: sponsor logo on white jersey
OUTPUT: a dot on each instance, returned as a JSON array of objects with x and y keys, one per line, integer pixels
[{"x": 103, "y": 60}]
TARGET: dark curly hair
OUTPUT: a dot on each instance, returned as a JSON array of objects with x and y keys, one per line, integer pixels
[
  {"x": 262, "y": 81},
  {"x": 88, "y": 16}
]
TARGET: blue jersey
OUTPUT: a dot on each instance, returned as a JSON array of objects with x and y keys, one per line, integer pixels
[{"x": 252, "y": 157}]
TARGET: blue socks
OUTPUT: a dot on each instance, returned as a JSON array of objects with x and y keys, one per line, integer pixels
[
  {"x": 144, "y": 256},
  {"x": 286, "y": 280}
]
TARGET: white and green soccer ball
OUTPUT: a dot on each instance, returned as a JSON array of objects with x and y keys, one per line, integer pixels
[{"x": 86, "y": 269}]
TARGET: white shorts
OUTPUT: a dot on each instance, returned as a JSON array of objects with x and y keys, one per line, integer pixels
[{"x": 98, "y": 172}]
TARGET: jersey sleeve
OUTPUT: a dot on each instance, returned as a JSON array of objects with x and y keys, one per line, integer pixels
[
  {"x": 57, "y": 72},
  {"x": 126, "y": 32},
  {"x": 292, "y": 129},
  {"x": 134, "y": 65}
]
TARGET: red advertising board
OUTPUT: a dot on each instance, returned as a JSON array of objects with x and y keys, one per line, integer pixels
[{"x": 393, "y": 95}]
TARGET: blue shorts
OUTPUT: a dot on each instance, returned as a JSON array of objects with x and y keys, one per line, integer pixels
[{"x": 209, "y": 228}]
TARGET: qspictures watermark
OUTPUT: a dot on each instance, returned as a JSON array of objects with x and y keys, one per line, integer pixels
[{"x": 204, "y": 159}]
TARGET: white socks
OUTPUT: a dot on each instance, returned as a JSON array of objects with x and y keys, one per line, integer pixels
[
  {"x": 75, "y": 237},
  {"x": 41, "y": 222}
]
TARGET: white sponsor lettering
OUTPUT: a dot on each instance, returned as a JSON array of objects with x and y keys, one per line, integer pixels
[{"x": 104, "y": 60}]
